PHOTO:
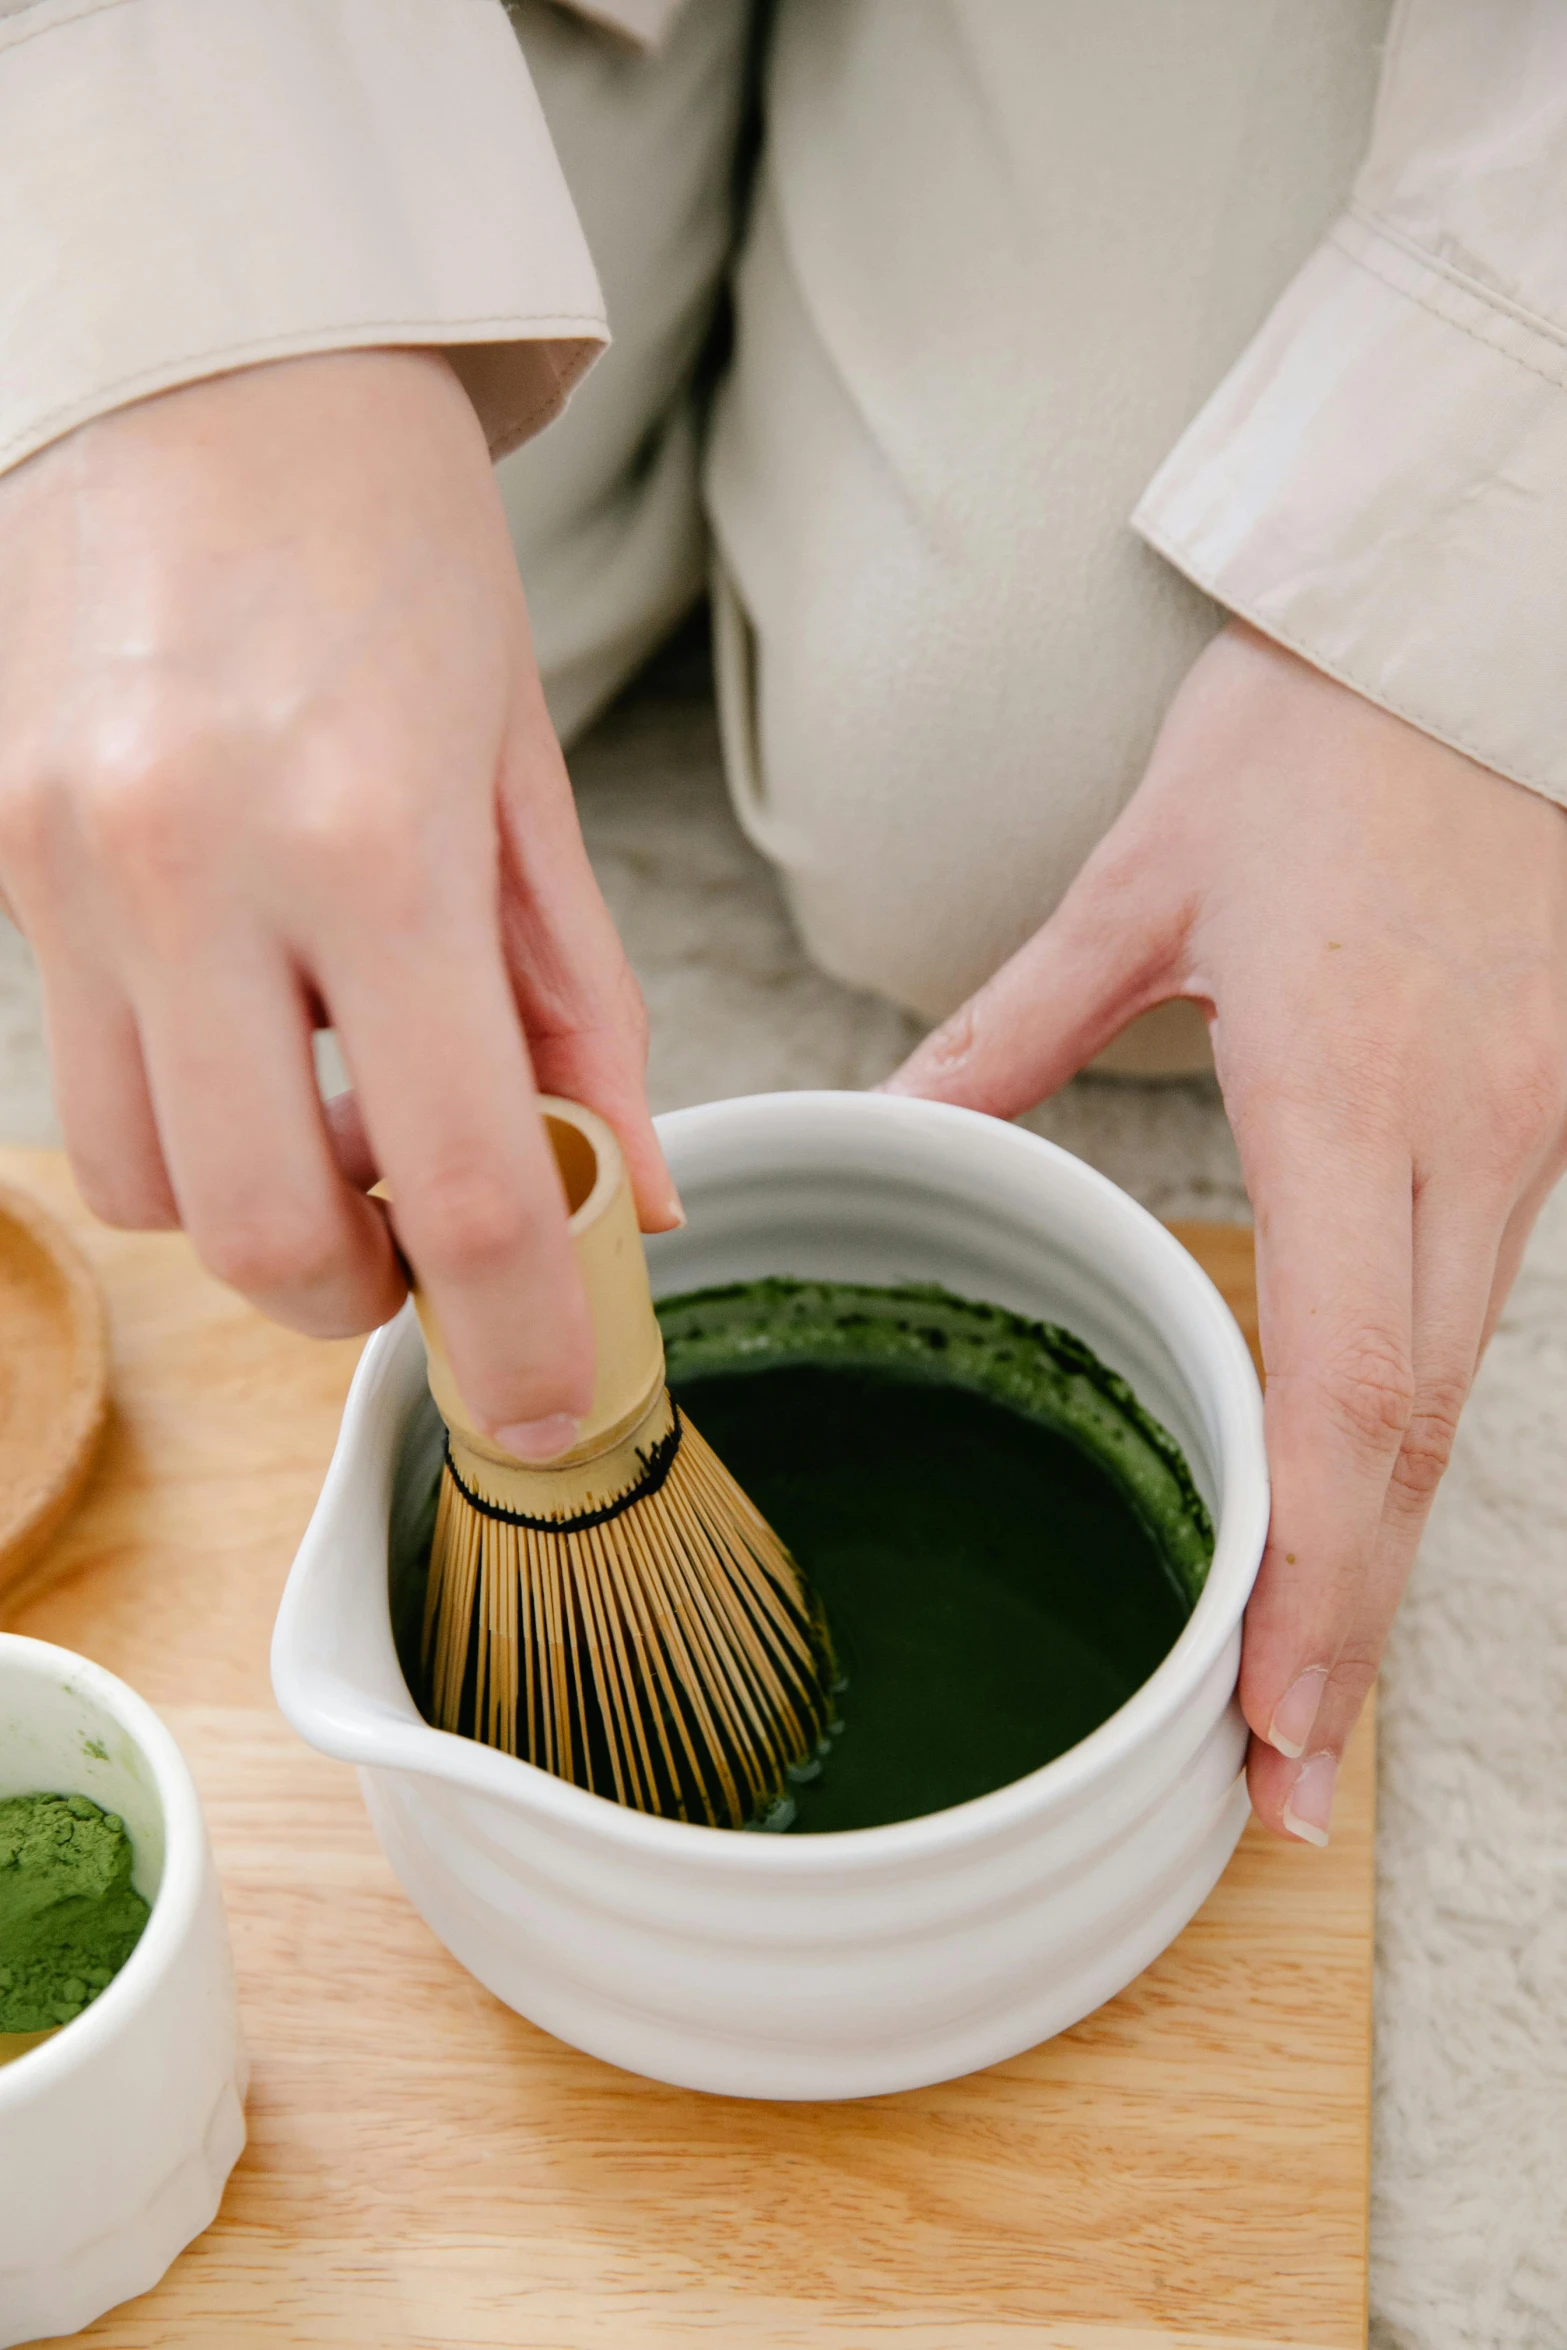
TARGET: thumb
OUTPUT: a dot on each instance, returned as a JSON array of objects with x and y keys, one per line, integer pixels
[{"x": 1112, "y": 949}]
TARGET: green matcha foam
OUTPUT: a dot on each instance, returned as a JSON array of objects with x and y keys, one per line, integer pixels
[{"x": 919, "y": 1331}]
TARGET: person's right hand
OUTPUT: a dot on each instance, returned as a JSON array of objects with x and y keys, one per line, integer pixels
[{"x": 273, "y": 751}]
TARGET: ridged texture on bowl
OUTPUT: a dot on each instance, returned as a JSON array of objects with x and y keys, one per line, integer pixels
[{"x": 845, "y": 1965}]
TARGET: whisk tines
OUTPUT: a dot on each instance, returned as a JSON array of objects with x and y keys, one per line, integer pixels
[
  {"x": 622, "y": 1616},
  {"x": 659, "y": 1648}
]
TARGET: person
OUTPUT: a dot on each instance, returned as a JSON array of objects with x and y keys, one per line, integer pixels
[{"x": 279, "y": 279}]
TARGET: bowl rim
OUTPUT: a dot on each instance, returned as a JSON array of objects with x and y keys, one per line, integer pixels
[
  {"x": 392, "y": 1735},
  {"x": 116, "y": 2007}
]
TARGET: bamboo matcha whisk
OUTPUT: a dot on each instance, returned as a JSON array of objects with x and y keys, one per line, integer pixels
[{"x": 623, "y": 1616}]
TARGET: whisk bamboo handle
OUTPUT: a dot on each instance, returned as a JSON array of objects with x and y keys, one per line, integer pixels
[
  {"x": 621, "y": 1616},
  {"x": 629, "y": 1409}
]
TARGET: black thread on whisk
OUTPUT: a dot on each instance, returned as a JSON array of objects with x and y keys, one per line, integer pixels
[{"x": 656, "y": 1465}]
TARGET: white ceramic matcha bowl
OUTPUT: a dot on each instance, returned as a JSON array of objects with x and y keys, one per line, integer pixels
[
  {"x": 118, "y": 2133},
  {"x": 843, "y": 1965}
]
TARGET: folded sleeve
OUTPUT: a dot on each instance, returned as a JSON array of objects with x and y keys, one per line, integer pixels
[
  {"x": 644, "y": 23},
  {"x": 1381, "y": 481},
  {"x": 189, "y": 186}
]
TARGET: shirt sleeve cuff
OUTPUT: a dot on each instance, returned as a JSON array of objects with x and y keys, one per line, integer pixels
[
  {"x": 645, "y": 23},
  {"x": 190, "y": 186},
  {"x": 1381, "y": 484}
]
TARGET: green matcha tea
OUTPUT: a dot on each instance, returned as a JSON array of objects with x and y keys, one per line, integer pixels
[
  {"x": 69, "y": 1915},
  {"x": 1005, "y": 1544}
]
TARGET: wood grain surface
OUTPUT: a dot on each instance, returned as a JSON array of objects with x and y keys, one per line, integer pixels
[
  {"x": 54, "y": 1367},
  {"x": 426, "y": 2170}
]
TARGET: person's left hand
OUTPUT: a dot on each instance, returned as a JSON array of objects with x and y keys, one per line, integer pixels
[{"x": 1378, "y": 928}]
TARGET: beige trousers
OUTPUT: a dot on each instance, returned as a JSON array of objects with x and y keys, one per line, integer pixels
[{"x": 996, "y": 253}]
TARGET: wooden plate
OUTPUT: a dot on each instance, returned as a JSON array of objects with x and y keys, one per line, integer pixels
[{"x": 54, "y": 1380}]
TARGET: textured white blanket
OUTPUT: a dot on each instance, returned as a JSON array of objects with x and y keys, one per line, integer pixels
[{"x": 1469, "y": 2230}]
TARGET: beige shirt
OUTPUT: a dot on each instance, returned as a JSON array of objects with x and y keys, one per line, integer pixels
[{"x": 1380, "y": 481}]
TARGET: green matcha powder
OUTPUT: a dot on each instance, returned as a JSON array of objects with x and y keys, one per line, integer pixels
[{"x": 69, "y": 1915}]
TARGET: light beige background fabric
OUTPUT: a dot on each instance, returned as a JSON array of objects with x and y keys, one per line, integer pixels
[
  {"x": 998, "y": 254},
  {"x": 943, "y": 653},
  {"x": 605, "y": 509}
]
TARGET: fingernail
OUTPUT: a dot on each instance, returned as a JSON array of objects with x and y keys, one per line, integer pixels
[
  {"x": 1296, "y": 1711},
  {"x": 539, "y": 1440},
  {"x": 1309, "y": 1811},
  {"x": 678, "y": 1219}
]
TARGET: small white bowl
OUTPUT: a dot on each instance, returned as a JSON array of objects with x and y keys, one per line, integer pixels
[
  {"x": 880, "y": 1959},
  {"x": 117, "y": 2134}
]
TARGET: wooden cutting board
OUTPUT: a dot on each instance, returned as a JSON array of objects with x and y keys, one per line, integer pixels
[{"x": 1188, "y": 2166}]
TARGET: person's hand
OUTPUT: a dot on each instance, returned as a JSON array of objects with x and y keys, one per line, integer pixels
[
  {"x": 273, "y": 752},
  {"x": 1379, "y": 929}
]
